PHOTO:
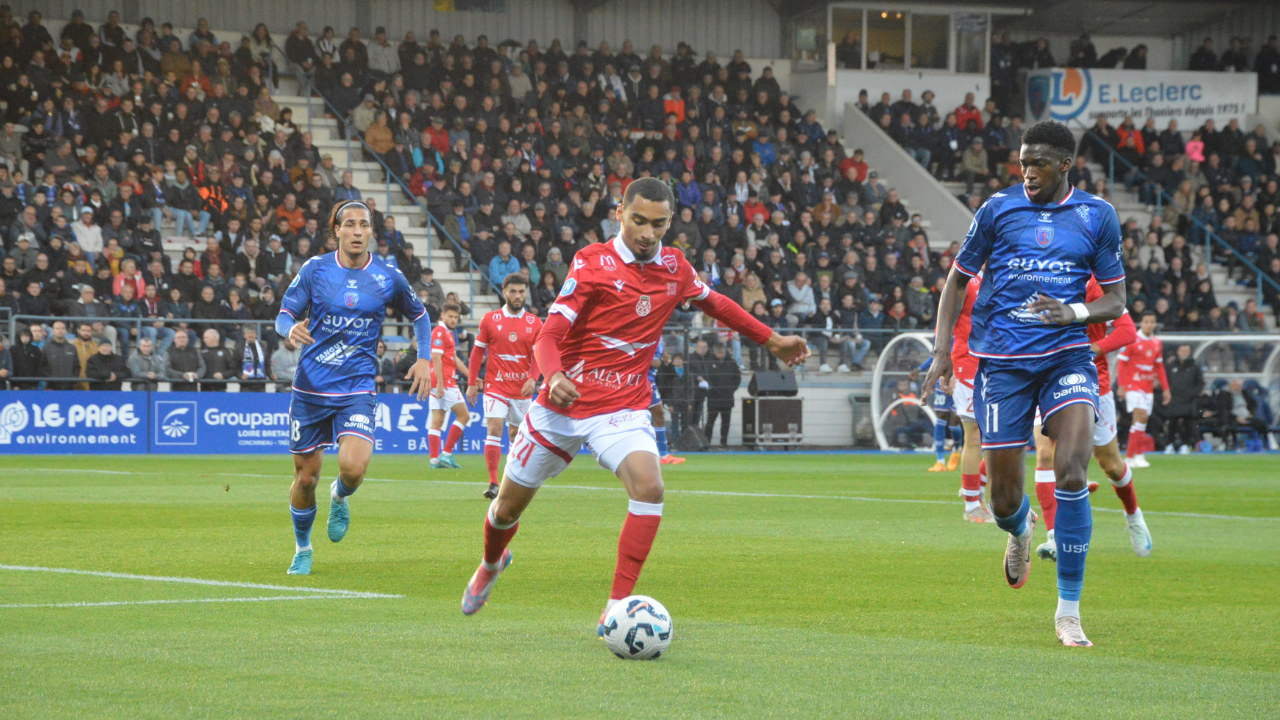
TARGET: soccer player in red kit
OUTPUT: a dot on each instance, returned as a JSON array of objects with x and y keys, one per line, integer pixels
[
  {"x": 595, "y": 351},
  {"x": 1139, "y": 366},
  {"x": 506, "y": 336},
  {"x": 445, "y": 395},
  {"x": 964, "y": 368},
  {"x": 1104, "y": 338}
]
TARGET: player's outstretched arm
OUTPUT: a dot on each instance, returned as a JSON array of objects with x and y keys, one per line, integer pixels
[
  {"x": 1106, "y": 308},
  {"x": 949, "y": 307}
]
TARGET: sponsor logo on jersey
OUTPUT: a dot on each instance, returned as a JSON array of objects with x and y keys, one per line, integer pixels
[
  {"x": 358, "y": 418},
  {"x": 578, "y": 263},
  {"x": 1072, "y": 379},
  {"x": 573, "y": 372},
  {"x": 669, "y": 262},
  {"x": 1045, "y": 216},
  {"x": 569, "y": 286},
  {"x": 352, "y": 299},
  {"x": 607, "y": 263},
  {"x": 643, "y": 306},
  {"x": 615, "y": 379},
  {"x": 618, "y": 284},
  {"x": 629, "y": 348},
  {"x": 351, "y": 282},
  {"x": 673, "y": 288},
  {"x": 1023, "y": 312},
  {"x": 1083, "y": 212},
  {"x": 346, "y": 323},
  {"x": 1033, "y": 264},
  {"x": 336, "y": 354},
  {"x": 381, "y": 279},
  {"x": 1044, "y": 236}
]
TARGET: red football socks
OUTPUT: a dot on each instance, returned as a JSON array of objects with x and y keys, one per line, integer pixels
[
  {"x": 455, "y": 434},
  {"x": 633, "y": 546},
  {"x": 433, "y": 443},
  {"x": 496, "y": 540},
  {"x": 971, "y": 487},
  {"x": 1124, "y": 490},
  {"x": 492, "y": 456},
  {"x": 1048, "y": 503}
]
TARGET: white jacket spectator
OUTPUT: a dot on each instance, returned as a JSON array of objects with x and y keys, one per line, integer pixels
[
  {"x": 801, "y": 293},
  {"x": 87, "y": 233},
  {"x": 284, "y": 362}
]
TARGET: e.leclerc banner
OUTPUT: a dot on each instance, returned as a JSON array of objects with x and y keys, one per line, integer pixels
[
  {"x": 1080, "y": 95},
  {"x": 185, "y": 423}
]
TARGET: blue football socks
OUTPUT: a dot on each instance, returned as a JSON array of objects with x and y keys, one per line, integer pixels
[
  {"x": 1073, "y": 528},
  {"x": 940, "y": 439},
  {"x": 342, "y": 491},
  {"x": 662, "y": 441},
  {"x": 302, "y": 521},
  {"x": 1016, "y": 524},
  {"x": 957, "y": 437}
]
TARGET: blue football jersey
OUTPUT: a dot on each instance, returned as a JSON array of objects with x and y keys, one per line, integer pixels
[
  {"x": 346, "y": 308},
  {"x": 657, "y": 353},
  {"x": 1029, "y": 249}
]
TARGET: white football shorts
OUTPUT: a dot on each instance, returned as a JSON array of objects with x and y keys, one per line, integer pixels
[
  {"x": 1104, "y": 421},
  {"x": 548, "y": 441},
  {"x": 452, "y": 396},
  {"x": 511, "y": 411},
  {"x": 1139, "y": 400},
  {"x": 962, "y": 396}
]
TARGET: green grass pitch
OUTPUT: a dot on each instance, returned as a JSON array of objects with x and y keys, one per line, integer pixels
[{"x": 800, "y": 586}]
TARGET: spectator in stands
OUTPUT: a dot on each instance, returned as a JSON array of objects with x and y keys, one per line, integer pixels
[
  {"x": 218, "y": 362},
  {"x": 1237, "y": 411},
  {"x": 723, "y": 378},
  {"x": 146, "y": 366},
  {"x": 61, "y": 358},
  {"x": 284, "y": 363},
  {"x": 502, "y": 265},
  {"x": 1204, "y": 59},
  {"x": 183, "y": 362},
  {"x": 251, "y": 354},
  {"x": 974, "y": 165},
  {"x": 1186, "y": 388},
  {"x": 29, "y": 361},
  {"x": 106, "y": 369}
]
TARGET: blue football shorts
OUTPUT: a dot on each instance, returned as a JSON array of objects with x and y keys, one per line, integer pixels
[
  {"x": 316, "y": 421},
  {"x": 1006, "y": 393}
]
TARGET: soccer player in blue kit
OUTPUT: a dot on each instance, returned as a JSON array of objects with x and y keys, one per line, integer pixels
[
  {"x": 1039, "y": 241},
  {"x": 346, "y": 294}
]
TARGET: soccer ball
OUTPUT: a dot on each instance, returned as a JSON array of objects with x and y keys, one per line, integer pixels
[{"x": 638, "y": 628}]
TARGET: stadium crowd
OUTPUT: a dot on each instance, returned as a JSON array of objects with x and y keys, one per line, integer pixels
[{"x": 520, "y": 153}]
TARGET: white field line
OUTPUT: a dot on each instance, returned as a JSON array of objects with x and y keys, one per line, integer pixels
[
  {"x": 718, "y": 493},
  {"x": 193, "y": 600},
  {"x": 326, "y": 592}
]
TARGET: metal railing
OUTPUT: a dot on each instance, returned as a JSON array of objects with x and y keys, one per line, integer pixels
[
  {"x": 309, "y": 90},
  {"x": 1163, "y": 196}
]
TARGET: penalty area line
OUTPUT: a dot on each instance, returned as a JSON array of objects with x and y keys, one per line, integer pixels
[
  {"x": 114, "y": 603},
  {"x": 326, "y": 592}
]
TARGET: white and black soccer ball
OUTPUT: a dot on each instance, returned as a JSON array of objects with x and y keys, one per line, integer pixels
[{"x": 638, "y": 628}]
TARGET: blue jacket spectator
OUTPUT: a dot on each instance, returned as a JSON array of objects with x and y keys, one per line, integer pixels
[{"x": 502, "y": 265}]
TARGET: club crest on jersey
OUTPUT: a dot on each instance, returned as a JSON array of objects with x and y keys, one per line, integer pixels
[
  {"x": 669, "y": 262},
  {"x": 643, "y": 306},
  {"x": 352, "y": 299},
  {"x": 618, "y": 284},
  {"x": 607, "y": 263},
  {"x": 1044, "y": 236},
  {"x": 529, "y": 319},
  {"x": 672, "y": 288},
  {"x": 511, "y": 337}
]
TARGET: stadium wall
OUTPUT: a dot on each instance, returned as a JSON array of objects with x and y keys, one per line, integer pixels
[{"x": 1256, "y": 22}]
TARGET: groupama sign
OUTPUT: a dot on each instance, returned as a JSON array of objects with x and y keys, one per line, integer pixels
[{"x": 1080, "y": 95}]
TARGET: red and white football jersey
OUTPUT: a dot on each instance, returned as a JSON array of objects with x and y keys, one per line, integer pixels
[
  {"x": 617, "y": 307},
  {"x": 963, "y": 365},
  {"x": 442, "y": 343},
  {"x": 1141, "y": 364},
  {"x": 1122, "y": 327},
  {"x": 508, "y": 343}
]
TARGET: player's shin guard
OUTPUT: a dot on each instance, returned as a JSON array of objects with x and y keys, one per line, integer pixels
[
  {"x": 455, "y": 434},
  {"x": 634, "y": 544},
  {"x": 940, "y": 440},
  {"x": 492, "y": 456},
  {"x": 1075, "y": 528},
  {"x": 1045, "y": 480},
  {"x": 496, "y": 538},
  {"x": 302, "y": 522},
  {"x": 663, "y": 450},
  {"x": 1016, "y": 524},
  {"x": 1124, "y": 490},
  {"x": 433, "y": 443}
]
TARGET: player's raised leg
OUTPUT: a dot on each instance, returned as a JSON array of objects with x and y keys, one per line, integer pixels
[
  {"x": 1012, "y": 510},
  {"x": 302, "y": 506},
  {"x": 1071, "y": 428},
  {"x": 493, "y": 452},
  {"x": 461, "y": 416},
  {"x": 500, "y": 525}
]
